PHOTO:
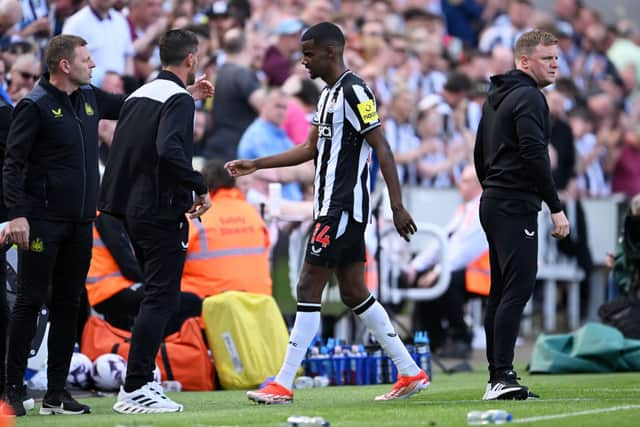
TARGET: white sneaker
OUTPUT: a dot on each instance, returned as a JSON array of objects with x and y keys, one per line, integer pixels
[{"x": 148, "y": 399}]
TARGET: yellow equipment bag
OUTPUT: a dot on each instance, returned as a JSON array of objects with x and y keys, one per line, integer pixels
[{"x": 247, "y": 336}]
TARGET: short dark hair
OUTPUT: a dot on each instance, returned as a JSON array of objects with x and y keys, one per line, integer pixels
[
  {"x": 176, "y": 45},
  {"x": 458, "y": 82},
  {"x": 324, "y": 34},
  {"x": 216, "y": 176},
  {"x": 530, "y": 40},
  {"x": 62, "y": 47},
  {"x": 234, "y": 41}
]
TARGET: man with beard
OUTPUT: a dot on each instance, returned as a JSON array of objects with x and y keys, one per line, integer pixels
[{"x": 149, "y": 183}]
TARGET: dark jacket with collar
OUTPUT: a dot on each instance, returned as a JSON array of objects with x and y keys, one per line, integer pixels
[
  {"x": 51, "y": 162},
  {"x": 511, "y": 152},
  {"x": 149, "y": 173}
]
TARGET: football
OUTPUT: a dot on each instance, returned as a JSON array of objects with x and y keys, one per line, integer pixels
[
  {"x": 79, "y": 371},
  {"x": 108, "y": 372}
]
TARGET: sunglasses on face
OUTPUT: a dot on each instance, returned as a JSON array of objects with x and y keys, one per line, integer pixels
[{"x": 28, "y": 76}]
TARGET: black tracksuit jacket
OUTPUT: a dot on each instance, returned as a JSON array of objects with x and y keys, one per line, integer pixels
[
  {"x": 149, "y": 174},
  {"x": 51, "y": 162},
  {"x": 510, "y": 154}
]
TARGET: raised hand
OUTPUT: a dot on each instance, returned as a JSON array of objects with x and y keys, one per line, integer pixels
[
  {"x": 201, "y": 89},
  {"x": 240, "y": 167}
]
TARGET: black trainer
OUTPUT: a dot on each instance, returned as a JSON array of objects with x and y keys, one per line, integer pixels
[
  {"x": 62, "y": 403},
  {"x": 505, "y": 386},
  {"x": 16, "y": 395}
]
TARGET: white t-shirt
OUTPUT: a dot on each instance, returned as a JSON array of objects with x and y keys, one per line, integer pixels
[{"x": 108, "y": 39}]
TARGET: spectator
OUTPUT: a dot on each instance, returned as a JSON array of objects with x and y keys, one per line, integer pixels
[
  {"x": 517, "y": 22},
  {"x": 238, "y": 98},
  {"x": 303, "y": 97},
  {"x": 462, "y": 19},
  {"x": 10, "y": 15},
  {"x": 562, "y": 142},
  {"x": 626, "y": 174},
  {"x": 468, "y": 259},
  {"x": 316, "y": 11},
  {"x": 147, "y": 22},
  {"x": 280, "y": 57},
  {"x": 591, "y": 177},
  {"x": 35, "y": 21},
  {"x": 434, "y": 166},
  {"x": 372, "y": 40},
  {"x": 431, "y": 77},
  {"x": 230, "y": 237},
  {"x": 107, "y": 33},
  {"x": 624, "y": 263},
  {"x": 23, "y": 76},
  {"x": 401, "y": 136},
  {"x": 111, "y": 82},
  {"x": 265, "y": 137}
]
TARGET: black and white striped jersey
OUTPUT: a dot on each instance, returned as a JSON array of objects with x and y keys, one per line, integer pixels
[{"x": 346, "y": 112}]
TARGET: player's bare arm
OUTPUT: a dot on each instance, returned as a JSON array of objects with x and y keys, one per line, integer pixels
[
  {"x": 401, "y": 218},
  {"x": 299, "y": 154}
]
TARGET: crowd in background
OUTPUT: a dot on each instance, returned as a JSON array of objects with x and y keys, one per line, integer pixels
[{"x": 428, "y": 62}]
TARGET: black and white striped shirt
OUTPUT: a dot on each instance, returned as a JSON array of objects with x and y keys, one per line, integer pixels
[{"x": 346, "y": 112}]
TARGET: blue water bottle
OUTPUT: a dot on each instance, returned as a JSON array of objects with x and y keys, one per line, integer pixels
[
  {"x": 339, "y": 365},
  {"x": 375, "y": 363},
  {"x": 423, "y": 352}
]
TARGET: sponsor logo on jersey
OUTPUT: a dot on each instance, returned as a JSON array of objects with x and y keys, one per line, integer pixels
[{"x": 367, "y": 110}]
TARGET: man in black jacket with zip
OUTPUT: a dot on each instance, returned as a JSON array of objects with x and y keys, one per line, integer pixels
[
  {"x": 512, "y": 162},
  {"x": 50, "y": 182},
  {"x": 149, "y": 182}
]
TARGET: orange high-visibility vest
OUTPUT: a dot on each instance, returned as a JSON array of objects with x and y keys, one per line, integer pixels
[
  {"x": 371, "y": 272},
  {"x": 228, "y": 250},
  {"x": 104, "y": 278},
  {"x": 478, "y": 275}
]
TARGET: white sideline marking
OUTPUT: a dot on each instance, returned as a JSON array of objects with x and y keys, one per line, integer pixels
[{"x": 575, "y": 414}]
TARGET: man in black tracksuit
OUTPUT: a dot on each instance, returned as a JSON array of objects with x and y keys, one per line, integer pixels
[
  {"x": 512, "y": 163},
  {"x": 50, "y": 180},
  {"x": 149, "y": 183}
]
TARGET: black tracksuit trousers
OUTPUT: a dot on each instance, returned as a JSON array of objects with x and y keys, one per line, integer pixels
[
  {"x": 511, "y": 226},
  {"x": 59, "y": 256},
  {"x": 4, "y": 318},
  {"x": 161, "y": 248}
]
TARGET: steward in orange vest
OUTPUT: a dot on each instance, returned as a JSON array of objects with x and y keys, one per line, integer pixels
[
  {"x": 107, "y": 276},
  {"x": 115, "y": 280},
  {"x": 229, "y": 249}
]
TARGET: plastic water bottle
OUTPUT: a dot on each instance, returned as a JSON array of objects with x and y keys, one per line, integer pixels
[
  {"x": 493, "y": 416},
  {"x": 375, "y": 364},
  {"x": 339, "y": 366},
  {"x": 300, "y": 421},
  {"x": 423, "y": 352}
]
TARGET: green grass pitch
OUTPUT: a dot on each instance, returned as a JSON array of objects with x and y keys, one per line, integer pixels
[{"x": 599, "y": 400}]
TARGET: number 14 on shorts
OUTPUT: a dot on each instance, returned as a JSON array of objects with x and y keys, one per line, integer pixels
[{"x": 320, "y": 235}]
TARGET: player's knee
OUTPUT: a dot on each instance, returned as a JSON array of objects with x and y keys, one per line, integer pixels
[
  {"x": 309, "y": 292},
  {"x": 353, "y": 296}
]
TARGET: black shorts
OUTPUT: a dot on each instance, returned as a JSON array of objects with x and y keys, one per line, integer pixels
[{"x": 336, "y": 241}]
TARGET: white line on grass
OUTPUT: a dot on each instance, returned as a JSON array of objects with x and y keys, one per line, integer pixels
[
  {"x": 575, "y": 414},
  {"x": 528, "y": 402}
]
